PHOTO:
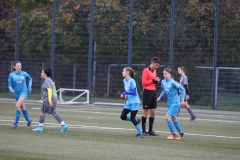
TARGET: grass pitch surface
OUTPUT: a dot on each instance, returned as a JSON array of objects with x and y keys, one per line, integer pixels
[{"x": 97, "y": 132}]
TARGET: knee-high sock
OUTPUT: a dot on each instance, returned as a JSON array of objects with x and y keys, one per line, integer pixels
[
  {"x": 189, "y": 109},
  {"x": 151, "y": 120},
  {"x": 128, "y": 118},
  {"x": 139, "y": 131},
  {"x": 178, "y": 127},
  {"x": 59, "y": 119},
  {"x": 26, "y": 116},
  {"x": 170, "y": 126},
  {"x": 144, "y": 119},
  {"x": 17, "y": 116},
  {"x": 41, "y": 120}
]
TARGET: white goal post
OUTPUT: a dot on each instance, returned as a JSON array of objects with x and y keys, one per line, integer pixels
[
  {"x": 72, "y": 101},
  {"x": 217, "y": 75}
]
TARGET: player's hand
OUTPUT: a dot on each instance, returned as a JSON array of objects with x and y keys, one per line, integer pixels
[
  {"x": 121, "y": 95},
  {"x": 157, "y": 79},
  {"x": 12, "y": 91},
  {"x": 125, "y": 96},
  {"x": 41, "y": 99},
  {"x": 158, "y": 99},
  {"x": 183, "y": 103},
  {"x": 51, "y": 104}
]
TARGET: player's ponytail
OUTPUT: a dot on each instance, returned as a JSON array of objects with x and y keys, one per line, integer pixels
[{"x": 131, "y": 72}]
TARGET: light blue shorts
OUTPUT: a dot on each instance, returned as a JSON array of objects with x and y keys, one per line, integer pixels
[
  {"x": 173, "y": 108},
  {"x": 132, "y": 106},
  {"x": 21, "y": 94}
]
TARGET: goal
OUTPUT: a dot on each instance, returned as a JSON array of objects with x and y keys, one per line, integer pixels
[{"x": 73, "y": 101}]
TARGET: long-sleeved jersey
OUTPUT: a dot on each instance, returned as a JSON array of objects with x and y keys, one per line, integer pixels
[
  {"x": 130, "y": 88},
  {"x": 17, "y": 82},
  {"x": 184, "y": 82},
  {"x": 49, "y": 84},
  {"x": 147, "y": 79},
  {"x": 170, "y": 89}
]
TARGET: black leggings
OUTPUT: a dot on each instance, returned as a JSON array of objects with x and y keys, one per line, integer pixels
[{"x": 133, "y": 115}]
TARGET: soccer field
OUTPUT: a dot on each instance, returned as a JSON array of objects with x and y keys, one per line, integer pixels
[{"x": 97, "y": 132}]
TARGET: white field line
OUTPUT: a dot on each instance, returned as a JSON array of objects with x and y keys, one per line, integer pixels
[
  {"x": 54, "y": 125},
  {"x": 104, "y": 113},
  {"x": 112, "y": 108},
  {"x": 120, "y": 109}
]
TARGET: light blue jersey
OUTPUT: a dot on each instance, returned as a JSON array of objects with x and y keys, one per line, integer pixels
[
  {"x": 170, "y": 89},
  {"x": 17, "y": 82},
  {"x": 133, "y": 100}
]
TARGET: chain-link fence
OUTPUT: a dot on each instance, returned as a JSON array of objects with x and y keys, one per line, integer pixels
[{"x": 26, "y": 35}]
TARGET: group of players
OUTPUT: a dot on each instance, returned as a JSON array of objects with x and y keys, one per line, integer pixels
[
  {"x": 177, "y": 95},
  {"x": 18, "y": 86}
]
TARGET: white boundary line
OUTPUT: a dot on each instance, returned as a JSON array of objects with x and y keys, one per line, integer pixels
[
  {"x": 54, "y": 125},
  {"x": 107, "y": 113}
]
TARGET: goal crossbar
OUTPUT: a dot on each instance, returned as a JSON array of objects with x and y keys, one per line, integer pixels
[{"x": 72, "y": 101}]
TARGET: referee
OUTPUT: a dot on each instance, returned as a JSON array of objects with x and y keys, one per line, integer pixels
[{"x": 149, "y": 82}]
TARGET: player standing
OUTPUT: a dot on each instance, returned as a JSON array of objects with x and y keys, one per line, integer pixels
[
  {"x": 49, "y": 101},
  {"x": 17, "y": 85},
  {"x": 170, "y": 89},
  {"x": 149, "y": 81},
  {"x": 133, "y": 100},
  {"x": 184, "y": 83}
]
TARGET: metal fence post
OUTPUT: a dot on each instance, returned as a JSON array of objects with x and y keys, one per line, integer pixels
[
  {"x": 130, "y": 34},
  {"x": 90, "y": 45},
  {"x": 214, "y": 92},
  {"x": 53, "y": 36},
  {"x": 17, "y": 34},
  {"x": 172, "y": 34}
]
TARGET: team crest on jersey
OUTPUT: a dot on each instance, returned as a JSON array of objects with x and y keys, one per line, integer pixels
[{"x": 22, "y": 77}]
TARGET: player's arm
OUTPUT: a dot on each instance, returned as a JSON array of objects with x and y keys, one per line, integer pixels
[
  {"x": 49, "y": 91},
  {"x": 10, "y": 83},
  {"x": 186, "y": 88},
  {"x": 182, "y": 89},
  {"x": 146, "y": 82},
  {"x": 185, "y": 84},
  {"x": 29, "y": 82},
  {"x": 162, "y": 93},
  {"x": 132, "y": 92}
]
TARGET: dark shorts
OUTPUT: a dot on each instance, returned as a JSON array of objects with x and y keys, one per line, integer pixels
[{"x": 149, "y": 99}]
